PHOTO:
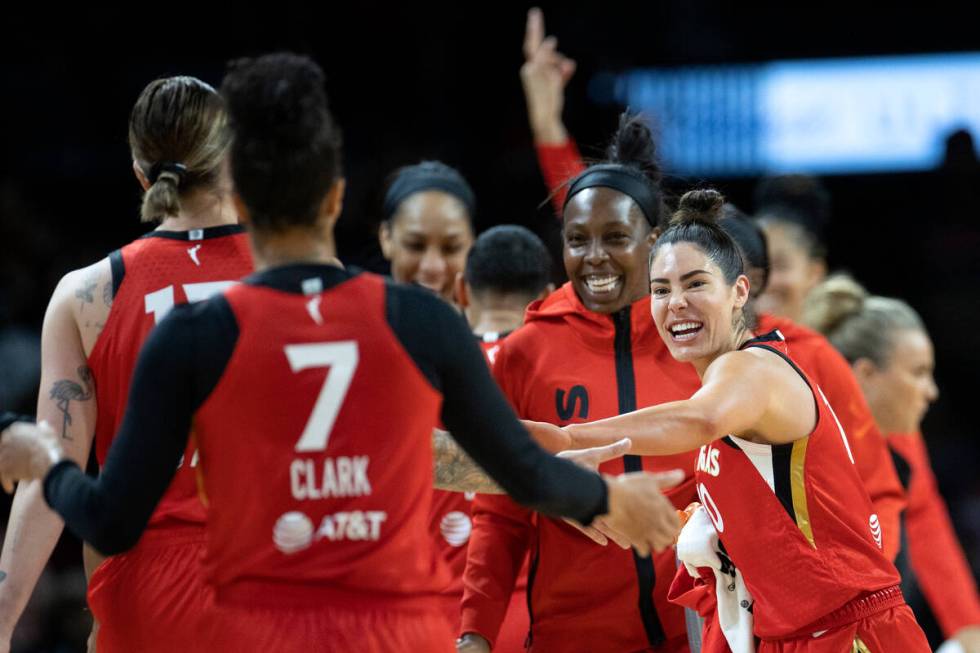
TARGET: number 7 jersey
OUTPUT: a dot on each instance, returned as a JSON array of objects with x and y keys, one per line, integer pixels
[
  {"x": 149, "y": 277},
  {"x": 318, "y": 470}
]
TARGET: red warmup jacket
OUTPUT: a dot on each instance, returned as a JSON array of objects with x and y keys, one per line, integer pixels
[
  {"x": 933, "y": 552},
  {"x": 816, "y": 356},
  {"x": 568, "y": 364}
]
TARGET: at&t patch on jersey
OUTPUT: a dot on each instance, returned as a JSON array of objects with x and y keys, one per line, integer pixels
[{"x": 293, "y": 531}]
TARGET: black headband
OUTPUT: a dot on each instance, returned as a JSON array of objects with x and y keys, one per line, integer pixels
[
  {"x": 417, "y": 179},
  {"x": 615, "y": 176},
  {"x": 160, "y": 167}
]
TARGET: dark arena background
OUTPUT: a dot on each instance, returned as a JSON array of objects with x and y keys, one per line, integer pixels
[{"x": 410, "y": 82}]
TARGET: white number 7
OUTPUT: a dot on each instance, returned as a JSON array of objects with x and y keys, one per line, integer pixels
[{"x": 342, "y": 358}]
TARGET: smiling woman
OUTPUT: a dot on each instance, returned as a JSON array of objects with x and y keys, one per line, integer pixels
[
  {"x": 428, "y": 226},
  {"x": 610, "y": 218},
  {"x": 682, "y": 317},
  {"x": 589, "y": 350},
  {"x": 775, "y": 472}
]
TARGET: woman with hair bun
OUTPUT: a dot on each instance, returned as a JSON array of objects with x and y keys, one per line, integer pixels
[
  {"x": 151, "y": 597},
  {"x": 889, "y": 349},
  {"x": 775, "y": 474},
  {"x": 588, "y": 350},
  {"x": 815, "y": 354},
  {"x": 427, "y": 229}
]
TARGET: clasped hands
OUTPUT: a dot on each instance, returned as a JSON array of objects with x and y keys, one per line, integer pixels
[{"x": 639, "y": 515}]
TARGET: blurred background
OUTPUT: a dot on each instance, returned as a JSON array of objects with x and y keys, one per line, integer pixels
[{"x": 883, "y": 104}]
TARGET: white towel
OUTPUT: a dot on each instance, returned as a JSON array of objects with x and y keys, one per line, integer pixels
[
  {"x": 950, "y": 646},
  {"x": 698, "y": 546}
]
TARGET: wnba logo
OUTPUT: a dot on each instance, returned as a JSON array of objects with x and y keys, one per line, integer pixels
[
  {"x": 293, "y": 532},
  {"x": 456, "y": 527},
  {"x": 875, "y": 529}
]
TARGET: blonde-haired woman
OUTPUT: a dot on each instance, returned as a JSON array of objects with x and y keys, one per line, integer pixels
[{"x": 891, "y": 353}]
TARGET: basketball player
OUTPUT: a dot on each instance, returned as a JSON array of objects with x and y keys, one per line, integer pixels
[
  {"x": 428, "y": 225},
  {"x": 426, "y": 234},
  {"x": 148, "y": 598},
  {"x": 774, "y": 471},
  {"x": 312, "y": 393},
  {"x": 507, "y": 269},
  {"x": 588, "y": 350}
]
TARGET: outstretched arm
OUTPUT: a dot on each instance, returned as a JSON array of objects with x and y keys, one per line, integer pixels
[
  {"x": 455, "y": 471},
  {"x": 734, "y": 397}
]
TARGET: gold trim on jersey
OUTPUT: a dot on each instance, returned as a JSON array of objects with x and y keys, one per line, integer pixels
[
  {"x": 798, "y": 485},
  {"x": 859, "y": 646}
]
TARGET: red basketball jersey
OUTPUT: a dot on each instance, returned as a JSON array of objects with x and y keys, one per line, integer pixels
[
  {"x": 318, "y": 471},
  {"x": 795, "y": 519},
  {"x": 150, "y": 276}
]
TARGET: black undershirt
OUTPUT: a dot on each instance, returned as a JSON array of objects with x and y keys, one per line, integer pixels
[{"x": 185, "y": 356}]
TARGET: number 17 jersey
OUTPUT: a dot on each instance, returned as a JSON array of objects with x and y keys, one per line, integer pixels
[{"x": 150, "y": 276}]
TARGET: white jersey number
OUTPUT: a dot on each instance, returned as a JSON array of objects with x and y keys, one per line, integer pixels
[
  {"x": 161, "y": 302},
  {"x": 341, "y": 358},
  {"x": 711, "y": 508}
]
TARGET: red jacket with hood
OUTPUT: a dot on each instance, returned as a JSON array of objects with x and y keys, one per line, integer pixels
[
  {"x": 568, "y": 364},
  {"x": 933, "y": 557}
]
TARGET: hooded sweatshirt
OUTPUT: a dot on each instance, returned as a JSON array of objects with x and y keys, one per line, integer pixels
[{"x": 565, "y": 365}]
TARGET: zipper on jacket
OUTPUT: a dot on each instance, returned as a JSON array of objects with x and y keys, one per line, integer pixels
[
  {"x": 626, "y": 393},
  {"x": 532, "y": 573}
]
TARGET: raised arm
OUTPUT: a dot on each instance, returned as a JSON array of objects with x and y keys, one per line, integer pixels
[
  {"x": 544, "y": 77},
  {"x": 67, "y": 403}
]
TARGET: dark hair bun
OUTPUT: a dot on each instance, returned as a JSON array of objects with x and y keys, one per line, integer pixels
[
  {"x": 705, "y": 205},
  {"x": 277, "y": 102},
  {"x": 633, "y": 145},
  {"x": 286, "y": 149}
]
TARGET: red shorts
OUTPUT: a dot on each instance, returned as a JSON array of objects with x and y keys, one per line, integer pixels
[
  {"x": 328, "y": 628},
  {"x": 892, "y": 628},
  {"x": 672, "y": 645},
  {"x": 152, "y": 598}
]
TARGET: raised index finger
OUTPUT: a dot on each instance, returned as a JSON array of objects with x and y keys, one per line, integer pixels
[{"x": 533, "y": 32}]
